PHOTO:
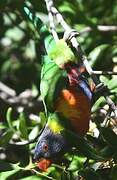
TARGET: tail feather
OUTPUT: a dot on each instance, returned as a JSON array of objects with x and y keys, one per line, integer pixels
[
  {"x": 85, "y": 88},
  {"x": 36, "y": 21}
]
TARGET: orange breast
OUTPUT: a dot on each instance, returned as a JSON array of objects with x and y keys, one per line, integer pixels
[{"x": 75, "y": 106}]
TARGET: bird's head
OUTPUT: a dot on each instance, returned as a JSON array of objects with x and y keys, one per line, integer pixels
[{"x": 51, "y": 143}]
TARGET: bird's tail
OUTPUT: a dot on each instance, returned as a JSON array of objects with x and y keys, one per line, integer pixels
[
  {"x": 41, "y": 28},
  {"x": 36, "y": 21}
]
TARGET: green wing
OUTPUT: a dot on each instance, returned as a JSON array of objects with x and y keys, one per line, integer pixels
[{"x": 53, "y": 79}]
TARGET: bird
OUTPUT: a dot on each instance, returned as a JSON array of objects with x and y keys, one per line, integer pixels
[{"x": 67, "y": 96}]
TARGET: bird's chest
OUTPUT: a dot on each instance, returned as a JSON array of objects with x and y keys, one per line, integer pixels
[{"x": 75, "y": 106}]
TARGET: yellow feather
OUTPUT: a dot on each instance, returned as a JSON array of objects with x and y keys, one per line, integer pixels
[{"x": 55, "y": 126}]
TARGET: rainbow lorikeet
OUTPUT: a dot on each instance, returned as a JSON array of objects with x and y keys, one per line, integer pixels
[{"x": 67, "y": 96}]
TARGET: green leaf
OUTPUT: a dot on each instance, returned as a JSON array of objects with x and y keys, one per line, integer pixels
[
  {"x": 77, "y": 163},
  {"x": 34, "y": 133},
  {"x": 104, "y": 79},
  {"x": 113, "y": 173},
  {"x": 90, "y": 174},
  {"x": 35, "y": 91},
  {"x": 94, "y": 55},
  {"x": 110, "y": 137},
  {"x": 6, "y": 66},
  {"x": 5, "y": 166},
  {"x": 22, "y": 126},
  {"x": 43, "y": 118},
  {"x": 112, "y": 84},
  {"x": 98, "y": 104},
  {"x": 2, "y": 126},
  {"x": 8, "y": 117},
  {"x": 7, "y": 174},
  {"x": 5, "y": 138},
  {"x": 106, "y": 152},
  {"x": 32, "y": 178},
  {"x": 67, "y": 7}
]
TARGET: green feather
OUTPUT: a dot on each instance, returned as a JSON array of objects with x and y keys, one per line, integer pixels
[
  {"x": 49, "y": 43},
  {"x": 36, "y": 21},
  {"x": 41, "y": 28},
  {"x": 53, "y": 79}
]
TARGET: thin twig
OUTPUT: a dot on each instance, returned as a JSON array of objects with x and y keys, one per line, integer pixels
[
  {"x": 43, "y": 175},
  {"x": 106, "y": 28},
  {"x": 25, "y": 99},
  {"x": 101, "y": 28},
  {"x": 22, "y": 143},
  {"x": 9, "y": 91},
  {"x": 60, "y": 167},
  {"x": 76, "y": 45},
  {"x": 104, "y": 72},
  {"x": 51, "y": 20},
  {"x": 106, "y": 119}
]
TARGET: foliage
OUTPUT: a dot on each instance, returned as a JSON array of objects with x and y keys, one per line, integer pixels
[{"x": 22, "y": 114}]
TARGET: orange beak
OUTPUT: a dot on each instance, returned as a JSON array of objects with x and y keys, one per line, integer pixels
[{"x": 43, "y": 164}]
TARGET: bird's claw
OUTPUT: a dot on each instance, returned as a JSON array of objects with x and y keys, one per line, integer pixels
[{"x": 69, "y": 34}]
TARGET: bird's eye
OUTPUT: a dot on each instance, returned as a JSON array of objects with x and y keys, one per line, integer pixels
[{"x": 45, "y": 147}]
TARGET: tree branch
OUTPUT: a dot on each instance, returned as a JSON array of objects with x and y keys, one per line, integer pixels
[
  {"x": 51, "y": 20},
  {"x": 25, "y": 99},
  {"x": 102, "y": 28},
  {"x": 9, "y": 91},
  {"x": 104, "y": 72}
]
